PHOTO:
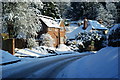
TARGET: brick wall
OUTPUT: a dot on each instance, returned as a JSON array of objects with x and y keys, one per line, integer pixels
[{"x": 55, "y": 34}]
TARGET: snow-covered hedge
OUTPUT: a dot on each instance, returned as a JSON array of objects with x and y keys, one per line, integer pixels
[{"x": 114, "y": 36}]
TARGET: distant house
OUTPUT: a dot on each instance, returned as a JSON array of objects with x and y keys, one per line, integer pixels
[
  {"x": 88, "y": 26},
  {"x": 50, "y": 26}
]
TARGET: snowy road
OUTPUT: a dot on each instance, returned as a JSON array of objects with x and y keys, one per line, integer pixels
[{"x": 41, "y": 68}]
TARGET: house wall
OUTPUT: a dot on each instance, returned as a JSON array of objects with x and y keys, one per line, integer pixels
[
  {"x": 62, "y": 32},
  {"x": 55, "y": 34}
]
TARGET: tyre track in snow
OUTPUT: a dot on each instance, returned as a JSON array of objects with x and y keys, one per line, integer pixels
[
  {"x": 18, "y": 72},
  {"x": 51, "y": 72}
]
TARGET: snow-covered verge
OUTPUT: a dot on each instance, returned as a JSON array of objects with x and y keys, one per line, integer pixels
[
  {"x": 33, "y": 52},
  {"x": 7, "y": 57},
  {"x": 103, "y": 64},
  {"x": 43, "y": 51}
]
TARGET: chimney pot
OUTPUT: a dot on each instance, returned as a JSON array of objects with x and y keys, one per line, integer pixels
[{"x": 85, "y": 23}]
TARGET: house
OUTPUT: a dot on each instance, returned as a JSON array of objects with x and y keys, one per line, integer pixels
[
  {"x": 88, "y": 26},
  {"x": 62, "y": 32},
  {"x": 50, "y": 26}
]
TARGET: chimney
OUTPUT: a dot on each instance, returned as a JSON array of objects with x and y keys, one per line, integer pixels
[
  {"x": 85, "y": 23},
  {"x": 100, "y": 21}
]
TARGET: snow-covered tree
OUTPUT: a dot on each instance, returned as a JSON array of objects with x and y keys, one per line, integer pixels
[
  {"x": 46, "y": 40},
  {"x": 105, "y": 15},
  {"x": 79, "y": 10},
  {"x": 20, "y": 20},
  {"x": 112, "y": 10},
  {"x": 51, "y": 9},
  {"x": 118, "y": 11},
  {"x": 63, "y": 7},
  {"x": 31, "y": 43}
]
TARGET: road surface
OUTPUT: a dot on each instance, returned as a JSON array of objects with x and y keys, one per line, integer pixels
[{"x": 48, "y": 68}]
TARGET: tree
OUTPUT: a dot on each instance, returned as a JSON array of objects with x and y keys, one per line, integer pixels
[
  {"x": 79, "y": 10},
  {"x": 63, "y": 7},
  {"x": 93, "y": 10},
  {"x": 117, "y": 4},
  {"x": 51, "y": 9},
  {"x": 20, "y": 19},
  {"x": 105, "y": 15},
  {"x": 112, "y": 10}
]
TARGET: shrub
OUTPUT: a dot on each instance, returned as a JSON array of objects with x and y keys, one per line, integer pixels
[
  {"x": 114, "y": 36},
  {"x": 46, "y": 40},
  {"x": 95, "y": 39},
  {"x": 31, "y": 42}
]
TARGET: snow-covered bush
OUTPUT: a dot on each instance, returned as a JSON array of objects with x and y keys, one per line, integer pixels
[
  {"x": 31, "y": 42},
  {"x": 85, "y": 39},
  {"x": 75, "y": 45},
  {"x": 114, "y": 36},
  {"x": 46, "y": 40}
]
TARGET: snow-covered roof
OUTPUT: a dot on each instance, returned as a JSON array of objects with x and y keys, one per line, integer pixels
[
  {"x": 73, "y": 25},
  {"x": 49, "y": 21},
  {"x": 75, "y": 32},
  {"x": 96, "y": 25},
  {"x": 115, "y": 27},
  {"x": 74, "y": 22},
  {"x": 92, "y": 24}
]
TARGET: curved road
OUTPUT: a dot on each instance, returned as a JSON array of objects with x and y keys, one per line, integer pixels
[{"x": 41, "y": 68}]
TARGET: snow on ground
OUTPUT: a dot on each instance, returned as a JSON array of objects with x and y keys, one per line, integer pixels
[
  {"x": 35, "y": 52},
  {"x": 103, "y": 64},
  {"x": 63, "y": 47},
  {"x": 7, "y": 57},
  {"x": 42, "y": 51},
  {"x": 26, "y": 62}
]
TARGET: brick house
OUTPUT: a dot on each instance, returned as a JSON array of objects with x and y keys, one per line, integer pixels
[
  {"x": 50, "y": 26},
  {"x": 62, "y": 32}
]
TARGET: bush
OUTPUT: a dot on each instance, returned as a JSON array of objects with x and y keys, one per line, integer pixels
[
  {"x": 114, "y": 36},
  {"x": 31, "y": 42},
  {"x": 46, "y": 40},
  {"x": 94, "y": 39}
]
